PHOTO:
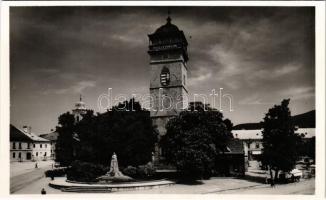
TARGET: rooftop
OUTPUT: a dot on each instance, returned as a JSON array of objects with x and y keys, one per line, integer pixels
[
  {"x": 17, "y": 134},
  {"x": 257, "y": 134},
  {"x": 53, "y": 136}
]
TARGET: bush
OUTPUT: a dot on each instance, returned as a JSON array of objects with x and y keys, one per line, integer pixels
[
  {"x": 85, "y": 172},
  {"x": 145, "y": 171},
  {"x": 130, "y": 171},
  {"x": 141, "y": 172},
  {"x": 59, "y": 172}
]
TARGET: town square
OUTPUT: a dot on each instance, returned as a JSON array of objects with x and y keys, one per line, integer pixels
[{"x": 162, "y": 100}]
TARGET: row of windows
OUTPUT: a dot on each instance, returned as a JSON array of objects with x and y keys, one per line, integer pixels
[
  {"x": 28, "y": 145},
  {"x": 20, "y": 155}
]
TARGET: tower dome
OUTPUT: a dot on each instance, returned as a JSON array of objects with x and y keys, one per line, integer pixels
[
  {"x": 80, "y": 109},
  {"x": 168, "y": 37},
  {"x": 80, "y": 105},
  {"x": 168, "y": 27}
]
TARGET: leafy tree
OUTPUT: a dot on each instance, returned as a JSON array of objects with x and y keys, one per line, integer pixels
[
  {"x": 64, "y": 148},
  {"x": 193, "y": 140},
  {"x": 280, "y": 140},
  {"x": 127, "y": 132},
  {"x": 131, "y": 105},
  {"x": 229, "y": 124}
]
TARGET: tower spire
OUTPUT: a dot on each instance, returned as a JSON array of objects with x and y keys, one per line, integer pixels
[{"x": 169, "y": 18}]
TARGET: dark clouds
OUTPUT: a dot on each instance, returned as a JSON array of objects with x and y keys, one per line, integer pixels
[{"x": 258, "y": 54}]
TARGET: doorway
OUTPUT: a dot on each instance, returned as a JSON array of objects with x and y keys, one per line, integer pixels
[{"x": 28, "y": 156}]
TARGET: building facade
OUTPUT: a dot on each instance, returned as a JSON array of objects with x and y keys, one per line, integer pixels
[
  {"x": 253, "y": 144},
  {"x": 52, "y": 137},
  {"x": 27, "y": 146},
  {"x": 168, "y": 75}
]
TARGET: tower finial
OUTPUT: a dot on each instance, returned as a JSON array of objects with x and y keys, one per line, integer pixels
[{"x": 169, "y": 18}]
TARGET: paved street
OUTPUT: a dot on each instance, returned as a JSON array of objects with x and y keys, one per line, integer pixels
[
  {"x": 25, "y": 179},
  {"x": 233, "y": 186},
  {"x": 302, "y": 187},
  {"x": 212, "y": 186},
  {"x": 23, "y": 174},
  {"x": 17, "y": 168}
]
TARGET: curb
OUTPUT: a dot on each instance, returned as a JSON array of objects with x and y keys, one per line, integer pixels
[{"x": 239, "y": 188}]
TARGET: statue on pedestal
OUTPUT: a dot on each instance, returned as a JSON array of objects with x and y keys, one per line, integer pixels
[
  {"x": 114, "y": 175},
  {"x": 114, "y": 167}
]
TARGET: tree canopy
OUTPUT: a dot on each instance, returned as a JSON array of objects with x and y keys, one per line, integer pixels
[
  {"x": 64, "y": 145},
  {"x": 127, "y": 132},
  {"x": 194, "y": 139},
  {"x": 279, "y": 139}
]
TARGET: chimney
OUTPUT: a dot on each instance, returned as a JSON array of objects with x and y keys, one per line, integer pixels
[{"x": 27, "y": 129}]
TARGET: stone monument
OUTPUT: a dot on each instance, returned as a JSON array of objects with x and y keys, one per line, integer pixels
[{"x": 114, "y": 175}]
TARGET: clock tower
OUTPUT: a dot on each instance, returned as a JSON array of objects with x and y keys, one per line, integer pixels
[{"x": 168, "y": 75}]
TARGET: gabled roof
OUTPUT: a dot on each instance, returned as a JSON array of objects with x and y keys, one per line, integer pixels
[
  {"x": 17, "y": 134},
  {"x": 53, "y": 136}
]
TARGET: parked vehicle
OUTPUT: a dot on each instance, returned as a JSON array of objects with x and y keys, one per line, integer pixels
[
  {"x": 293, "y": 176},
  {"x": 305, "y": 161},
  {"x": 285, "y": 177}
]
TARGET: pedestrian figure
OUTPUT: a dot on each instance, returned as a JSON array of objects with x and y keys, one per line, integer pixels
[
  {"x": 52, "y": 177},
  {"x": 36, "y": 166},
  {"x": 272, "y": 183},
  {"x": 43, "y": 191}
]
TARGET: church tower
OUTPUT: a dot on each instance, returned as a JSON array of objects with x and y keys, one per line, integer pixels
[
  {"x": 79, "y": 110},
  {"x": 168, "y": 77}
]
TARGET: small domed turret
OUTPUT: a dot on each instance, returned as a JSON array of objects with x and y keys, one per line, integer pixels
[{"x": 80, "y": 109}]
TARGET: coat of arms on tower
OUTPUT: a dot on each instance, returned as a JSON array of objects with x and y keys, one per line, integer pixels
[{"x": 165, "y": 76}]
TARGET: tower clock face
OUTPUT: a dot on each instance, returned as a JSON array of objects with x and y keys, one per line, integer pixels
[{"x": 165, "y": 76}]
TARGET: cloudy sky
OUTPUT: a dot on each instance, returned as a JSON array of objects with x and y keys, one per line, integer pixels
[{"x": 259, "y": 55}]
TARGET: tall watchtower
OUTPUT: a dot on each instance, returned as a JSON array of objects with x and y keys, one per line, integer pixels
[{"x": 168, "y": 77}]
